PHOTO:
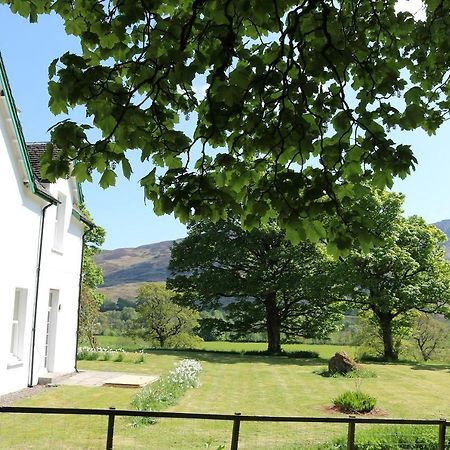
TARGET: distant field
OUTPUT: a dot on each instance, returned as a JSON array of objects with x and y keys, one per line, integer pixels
[
  {"x": 125, "y": 290},
  {"x": 325, "y": 350},
  {"x": 229, "y": 383},
  {"x": 126, "y": 343}
]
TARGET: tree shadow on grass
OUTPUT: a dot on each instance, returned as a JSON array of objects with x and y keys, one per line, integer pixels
[
  {"x": 222, "y": 357},
  {"x": 431, "y": 367}
]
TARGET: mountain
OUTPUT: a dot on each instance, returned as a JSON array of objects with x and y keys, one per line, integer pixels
[
  {"x": 124, "y": 269},
  {"x": 444, "y": 225}
]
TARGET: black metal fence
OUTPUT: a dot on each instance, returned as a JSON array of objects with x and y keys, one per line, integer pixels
[{"x": 236, "y": 419}]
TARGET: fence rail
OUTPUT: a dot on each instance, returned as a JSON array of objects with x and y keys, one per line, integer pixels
[{"x": 235, "y": 418}]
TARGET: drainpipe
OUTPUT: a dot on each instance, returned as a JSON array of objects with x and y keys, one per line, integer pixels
[
  {"x": 36, "y": 297},
  {"x": 80, "y": 282}
]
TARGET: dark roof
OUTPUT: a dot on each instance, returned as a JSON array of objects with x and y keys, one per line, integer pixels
[{"x": 35, "y": 151}]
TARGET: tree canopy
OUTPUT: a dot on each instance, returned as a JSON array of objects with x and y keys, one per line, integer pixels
[
  {"x": 92, "y": 276},
  {"x": 159, "y": 318},
  {"x": 289, "y": 104},
  {"x": 262, "y": 281},
  {"x": 406, "y": 271}
]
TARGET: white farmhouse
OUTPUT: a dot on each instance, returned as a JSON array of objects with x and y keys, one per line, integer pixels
[{"x": 41, "y": 240}]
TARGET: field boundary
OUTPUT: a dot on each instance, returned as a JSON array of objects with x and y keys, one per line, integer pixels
[{"x": 235, "y": 418}]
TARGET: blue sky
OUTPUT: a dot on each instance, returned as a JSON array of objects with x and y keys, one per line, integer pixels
[{"x": 27, "y": 51}]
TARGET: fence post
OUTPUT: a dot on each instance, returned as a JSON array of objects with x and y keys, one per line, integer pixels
[
  {"x": 110, "y": 435},
  {"x": 442, "y": 429},
  {"x": 351, "y": 434},
  {"x": 235, "y": 435}
]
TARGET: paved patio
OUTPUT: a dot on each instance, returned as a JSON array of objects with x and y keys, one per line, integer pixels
[{"x": 99, "y": 378}]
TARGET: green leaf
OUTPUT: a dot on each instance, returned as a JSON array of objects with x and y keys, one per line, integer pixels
[
  {"x": 126, "y": 168},
  {"x": 33, "y": 13},
  {"x": 108, "y": 178},
  {"x": 81, "y": 172},
  {"x": 413, "y": 95},
  {"x": 52, "y": 68},
  {"x": 414, "y": 115},
  {"x": 314, "y": 230}
]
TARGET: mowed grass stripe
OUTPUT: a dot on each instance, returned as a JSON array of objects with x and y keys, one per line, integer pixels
[{"x": 230, "y": 383}]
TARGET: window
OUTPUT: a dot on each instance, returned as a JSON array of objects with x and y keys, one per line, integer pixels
[
  {"x": 59, "y": 223},
  {"x": 50, "y": 335},
  {"x": 18, "y": 327}
]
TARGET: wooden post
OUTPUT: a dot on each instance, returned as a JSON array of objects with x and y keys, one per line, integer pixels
[
  {"x": 351, "y": 434},
  {"x": 110, "y": 435},
  {"x": 442, "y": 430},
  {"x": 235, "y": 435}
]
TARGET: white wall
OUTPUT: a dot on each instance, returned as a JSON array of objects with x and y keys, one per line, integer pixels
[
  {"x": 19, "y": 231},
  {"x": 21, "y": 213},
  {"x": 60, "y": 272}
]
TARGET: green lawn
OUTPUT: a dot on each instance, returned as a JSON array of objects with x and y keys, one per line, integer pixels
[
  {"x": 128, "y": 344},
  {"x": 230, "y": 383}
]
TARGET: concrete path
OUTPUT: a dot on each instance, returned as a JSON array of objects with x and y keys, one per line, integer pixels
[{"x": 98, "y": 378}]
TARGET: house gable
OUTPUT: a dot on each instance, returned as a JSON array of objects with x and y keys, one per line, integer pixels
[{"x": 42, "y": 236}]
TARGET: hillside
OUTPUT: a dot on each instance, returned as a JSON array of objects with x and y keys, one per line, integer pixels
[
  {"x": 125, "y": 269},
  {"x": 444, "y": 225}
]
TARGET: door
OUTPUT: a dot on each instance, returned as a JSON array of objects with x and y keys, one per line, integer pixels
[{"x": 50, "y": 334}]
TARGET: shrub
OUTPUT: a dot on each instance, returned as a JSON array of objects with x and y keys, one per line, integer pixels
[
  {"x": 119, "y": 357},
  {"x": 87, "y": 354},
  {"x": 97, "y": 353},
  {"x": 106, "y": 356},
  {"x": 140, "y": 358},
  {"x": 355, "y": 402},
  {"x": 367, "y": 357},
  {"x": 300, "y": 354},
  {"x": 391, "y": 438}
]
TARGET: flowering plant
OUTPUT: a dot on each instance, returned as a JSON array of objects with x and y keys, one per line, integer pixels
[
  {"x": 168, "y": 389},
  {"x": 186, "y": 373},
  {"x": 102, "y": 353}
]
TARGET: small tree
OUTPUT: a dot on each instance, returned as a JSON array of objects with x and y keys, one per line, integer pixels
[
  {"x": 429, "y": 334},
  {"x": 159, "y": 318},
  {"x": 92, "y": 276}
]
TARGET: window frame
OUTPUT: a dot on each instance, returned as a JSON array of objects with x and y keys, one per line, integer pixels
[
  {"x": 16, "y": 344},
  {"x": 58, "y": 238}
]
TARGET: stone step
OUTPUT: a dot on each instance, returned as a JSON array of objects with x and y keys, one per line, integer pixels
[
  {"x": 53, "y": 378},
  {"x": 130, "y": 381}
]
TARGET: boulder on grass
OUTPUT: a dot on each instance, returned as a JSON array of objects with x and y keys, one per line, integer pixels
[{"x": 341, "y": 363}]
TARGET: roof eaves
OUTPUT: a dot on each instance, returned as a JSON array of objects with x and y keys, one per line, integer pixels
[
  {"x": 12, "y": 110},
  {"x": 82, "y": 218}
]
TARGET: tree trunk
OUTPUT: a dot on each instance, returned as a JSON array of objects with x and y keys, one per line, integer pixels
[
  {"x": 388, "y": 342},
  {"x": 273, "y": 324}
]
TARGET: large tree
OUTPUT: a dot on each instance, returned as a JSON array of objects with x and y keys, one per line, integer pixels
[
  {"x": 290, "y": 103},
  {"x": 263, "y": 282},
  {"x": 403, "y": 272}
]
